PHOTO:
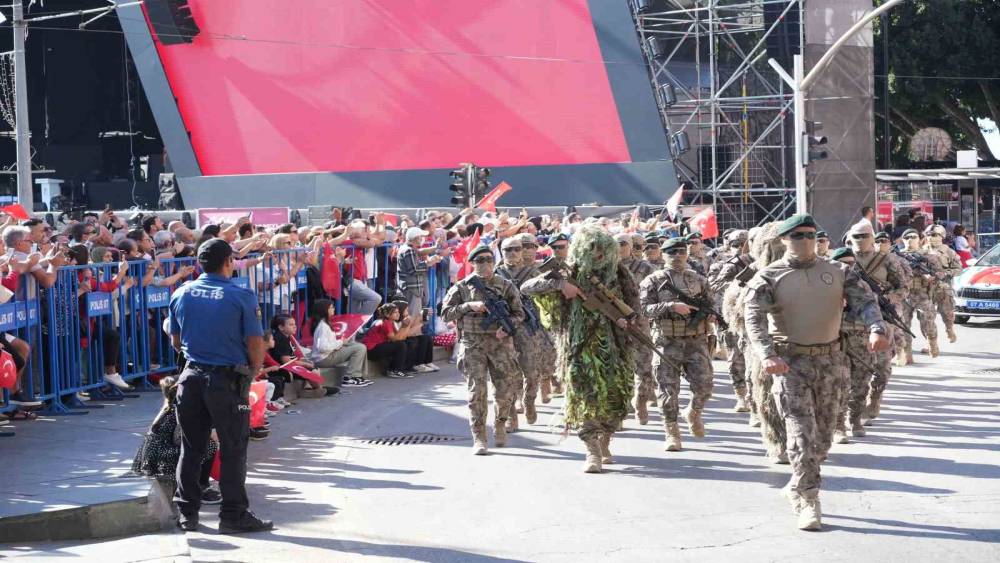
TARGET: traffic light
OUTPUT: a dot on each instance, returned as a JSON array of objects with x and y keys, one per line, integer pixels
[
  {"x": 814, "y": 143},
  {"x": 482, "y": 182},
  {"x": 461, "y": 186}
]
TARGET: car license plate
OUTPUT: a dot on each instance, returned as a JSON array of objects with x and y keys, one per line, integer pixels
[{"x": 978, "y": 304}]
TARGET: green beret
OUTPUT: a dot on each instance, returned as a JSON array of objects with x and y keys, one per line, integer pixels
[
  {"x": 794, "y": 222},
  {"x": 910, "y": 232},
  {"x": 882, "y": 235},
  {"x": 694, "y": 235},
  {"x": 822, "y": 234},
  {"x": 674, "y": 243},
  {"x": 556, "y": 238},
  {"x": 842, "y": 252},
  {"x": 653, "y": 237},
  {"x": 481, "y": 249}
]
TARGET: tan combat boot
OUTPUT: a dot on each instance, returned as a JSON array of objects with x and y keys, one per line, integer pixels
[
  {"x": 545, "y": 389},
  {"x": 741, "y": 401},
  {"x": 530, "y": 414},
  {"x": 900, "y": 358},
  {"x": 499, "y": 434},
  {"x": 857, "y": 429},
  {"x": 951, "y": 334},
  {"x": 909, "y": 356},
  {"x": 479, "y": 443},
  {"x": 754, "y": 421},
  {"x": 810, "y": 514},
  {"x": 511, "y": 424},
  {"x": 593, "y": 461},
  {"x": 642, "y": 411},
  {"x": 840, "y": 433},
  {"x": 606, "y": 449},
  {"x": 874, "y": 405},
  {"x": 935, "y": 352},
  {"x": 695, "y": 425},
  {"x": 673, "y": 437},
  {"x": 781, "y": 458}
]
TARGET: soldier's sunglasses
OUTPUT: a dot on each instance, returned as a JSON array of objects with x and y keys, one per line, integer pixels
[
  {"x": 910, "y": 237},
  {"x": 800, "y": 236},
  {"x": 652, "y": 246},
  {"x": 675, "y": 251},
  {"x": 559, "y": 246},
  {"x": 512, "y": 249},
  {"x": 483, "y": 260},
  {"x": 860, "y": 236}
]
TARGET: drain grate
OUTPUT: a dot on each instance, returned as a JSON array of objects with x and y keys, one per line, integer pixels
[
  {"x": 410, "y": 439},
  {"x": 987, "y": 371}
]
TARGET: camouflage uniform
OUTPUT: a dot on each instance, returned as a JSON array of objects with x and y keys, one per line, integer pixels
[
  {"x": 482, "y": 354},
  {"x": 921, "y": 302},
  {"x": 525, "y": 387},
  {"x": 860, "y": 364},
  {"x": 643, "y": 390},
  {"x": 685, "y": 345},
  {"x": 894, "y": 278},
  {"x": 724, "y": 274},
  {"x": 808, "y": 396},
  {"x": 943, "y": 294}
]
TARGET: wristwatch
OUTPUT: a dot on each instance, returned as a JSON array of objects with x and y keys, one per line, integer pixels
[{"x": 878, "y": 329}]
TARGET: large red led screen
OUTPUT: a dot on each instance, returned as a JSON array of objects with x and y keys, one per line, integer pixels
[{"x": 353, "y": 85}]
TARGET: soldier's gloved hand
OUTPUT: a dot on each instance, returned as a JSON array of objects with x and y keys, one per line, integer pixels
[
  {"x": 878, "y": 342},
  {"x": 775, "y": 365},
  {"x": 682, "y": 309},
  {"x": 477, "y": 306},
  {"x": 501, "y": 333},
  {"x": 622, "y": 323},
  {"x": 570, "y": 291}
]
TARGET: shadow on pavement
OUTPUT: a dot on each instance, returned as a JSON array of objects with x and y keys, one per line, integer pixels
[{"x": 910, "y": 529}]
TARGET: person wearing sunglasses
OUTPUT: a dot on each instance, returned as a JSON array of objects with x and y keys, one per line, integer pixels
[
  {"x": 487, "y": 351},
  {"x": 894, "y": 283},
  {"x": 722, "y": 275},
  {"x": 643, "y": 391},
  {"x": 652, "y": 252},
  {"x": 793, "y": 317},
  {"x": 697, "y": 254},
  {"x": 559, "y": 244},
  {"x": 951, "y": 266},
  {"x": 686, "y": 344},
  {"x": 822, "y": 244},
  {"x": 546, "y": 356},
  {"x": 921, "y": 300},
  {"x": 883, "y": 242}
]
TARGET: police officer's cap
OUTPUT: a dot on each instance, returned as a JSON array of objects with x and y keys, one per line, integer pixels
[
  {"x": 796, "y": 221},
  {"x": 557, "y": 237},
  {"x": 822, "y": 234},
  {"x": 675, "y": 242},
  {"x": 841, "y": 253},
  {"x": 212, "y": 254},
  {"x": 481, "y": 249}
]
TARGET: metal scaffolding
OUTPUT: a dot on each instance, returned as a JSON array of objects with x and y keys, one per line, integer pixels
[{"x": 719, "y": 97}]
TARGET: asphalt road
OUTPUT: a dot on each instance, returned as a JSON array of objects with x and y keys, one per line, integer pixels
[{"x": 923, "y": 486}]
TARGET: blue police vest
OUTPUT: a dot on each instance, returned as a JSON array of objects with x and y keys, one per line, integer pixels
[{"x": 213, "y": 317}]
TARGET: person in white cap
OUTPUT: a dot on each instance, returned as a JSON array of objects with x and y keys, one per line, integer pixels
[{"x": 411, "y": 269}]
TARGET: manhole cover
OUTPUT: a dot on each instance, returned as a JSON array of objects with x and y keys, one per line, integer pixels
[{"x": 409, "y": 439}]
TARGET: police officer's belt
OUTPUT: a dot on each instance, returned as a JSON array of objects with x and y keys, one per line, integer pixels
[
  {"x": 210, "y": 367},
  {"x": 792, "y": 349}
]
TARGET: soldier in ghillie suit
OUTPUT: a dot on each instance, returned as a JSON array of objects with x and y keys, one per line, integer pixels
[
  {"x": 487, "y": 351},
  {"x": 596, "y": 361},
  {"x": 793, "y": 316}
]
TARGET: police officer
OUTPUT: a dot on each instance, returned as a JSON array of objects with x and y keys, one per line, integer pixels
[{"x": 216, "y": 325}]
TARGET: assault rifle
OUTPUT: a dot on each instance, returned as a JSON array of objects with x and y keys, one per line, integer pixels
[
  {"x": 602, "y": 300},
  {"x": 889, "y": 313},
  {"x": 703, "y": 305},
  {"x": 917, "y": 262},
  {"x": 497, "y": 309},
  {"x": 532, "y": 320}
]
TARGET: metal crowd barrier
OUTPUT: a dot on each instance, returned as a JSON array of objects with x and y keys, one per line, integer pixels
[{"x": 85, "y": 321}]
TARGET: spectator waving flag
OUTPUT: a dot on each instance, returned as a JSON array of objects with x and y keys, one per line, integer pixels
[
  {"x": 461, "y": 254},
  {"x": 705, "y": 223},
  {"x": 674, "y": 203},
  {"x": 16, "y": 211},
  {"x": 489, "y": 202}
]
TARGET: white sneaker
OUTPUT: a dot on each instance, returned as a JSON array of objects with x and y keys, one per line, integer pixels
[
  {"x": 422, "y": 368},
  {"x": 432, "y": 367},
  {"x": 116, "y": 380},
  {"x": 283, "y": 402}
]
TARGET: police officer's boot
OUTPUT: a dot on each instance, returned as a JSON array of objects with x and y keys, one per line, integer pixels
[
  {"x": 593, "y": 461},
  {"x": 606, "y": 449},
  {"x": 673, "y": 437},
  {"x": 499, "y": 434},
  {"x": 479, "y": 443},
  {"x": 695, "y": 425},
  {"x": 741, "y": 400},
  {"x": 935, "y": 352},
  {"x": 810, "y": 514},
  {"x": 951, "y": 334},
  {"x": 545, "y": 388},
  {"x": 530, "y": 414}
]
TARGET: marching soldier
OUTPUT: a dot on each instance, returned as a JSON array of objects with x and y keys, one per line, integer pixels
[
  {"x": 652, "y": 253},
  {"x": 859, "y": 363},
  {"x": 697, "y": 254},
  {"x": 643, "y": 392},
  {"x": 943, "y": 293},
  {"x": 921, "y": 300},
  {"x": 793, "y": 316},
  {"x": 487, "y": 351},
  {"x": 525, "y": 388},
  {"x": 686, "y": 344},
  {"x": 822, "y": 244},
  {"x": 724, "y": 274}
]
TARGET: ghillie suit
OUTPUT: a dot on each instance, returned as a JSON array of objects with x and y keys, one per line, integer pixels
[{"x": 765, "y": 247}]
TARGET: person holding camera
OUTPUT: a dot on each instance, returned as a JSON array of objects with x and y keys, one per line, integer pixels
[{"x": 216, "y": 325}]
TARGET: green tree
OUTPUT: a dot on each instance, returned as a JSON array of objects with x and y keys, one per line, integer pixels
[{"x": 941, "y": 56}]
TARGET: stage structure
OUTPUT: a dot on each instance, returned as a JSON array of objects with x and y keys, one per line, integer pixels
[
  {"x": 371, "y": 104},
  {"x": 719, "y": 98}
]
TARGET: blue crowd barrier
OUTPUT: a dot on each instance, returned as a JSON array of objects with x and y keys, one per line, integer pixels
[{"x": 85, "y": 321}]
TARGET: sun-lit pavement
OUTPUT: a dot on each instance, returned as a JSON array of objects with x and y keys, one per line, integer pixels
[{"x": 923, "y": 486}]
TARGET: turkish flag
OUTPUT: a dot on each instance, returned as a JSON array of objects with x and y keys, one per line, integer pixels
[
  {"x": 461, "y": 254},
  {"x": 8, "y": 370},
  {"x": 392, "y": 219},
  {"x": 258, "y": 392},
  {"x": 674, "y": 203},
  {"x": 16, "y": 211},
  {"x": 704, "y": 222},
  {"x": 489, "y": 202},
  {"x": 346, "y": 326}
]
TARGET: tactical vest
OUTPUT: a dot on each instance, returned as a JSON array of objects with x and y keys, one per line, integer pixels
[
  {"x": 808, "y": 304},
  {"x": 874, "y": 264},
  {"x": 674, "y": 325},
  {"x": 472, "y": 323}
]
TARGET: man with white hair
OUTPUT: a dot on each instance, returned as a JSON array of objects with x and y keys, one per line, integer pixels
[{"x": 411, "y": 269}]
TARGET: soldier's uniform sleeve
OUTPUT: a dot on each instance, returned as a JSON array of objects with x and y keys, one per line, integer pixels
[
  {"x": 759, "y": 302},
  {"x": 862, "y": 301},
  {"x": 513, "y": 298},
  {"x": 649, "y": 299},
  {"x": 540, "y": 284},
  {"x": 454, "y": 306},
  {"x": 952, "y": 263},
  {"x": 903, "y": 274}
]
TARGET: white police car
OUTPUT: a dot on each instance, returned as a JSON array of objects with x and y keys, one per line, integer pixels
[{"x": 977, "y": 289}]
